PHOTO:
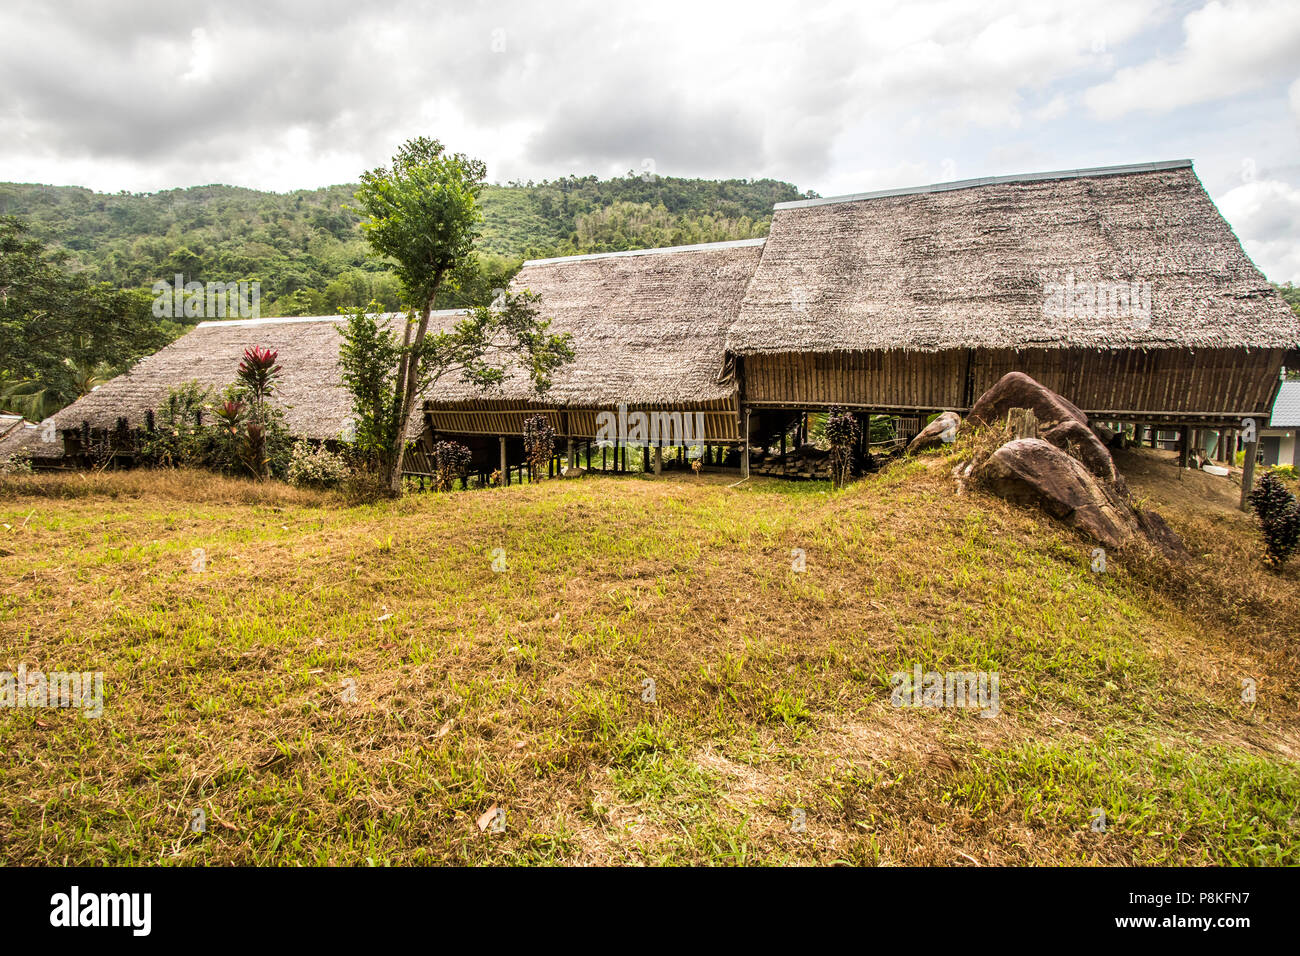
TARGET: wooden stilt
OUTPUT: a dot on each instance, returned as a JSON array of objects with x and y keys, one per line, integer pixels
[
  {"x": 744, "y": 453},
  {"x": 659, "y": 459},
  {"x": 1248, "y": 473},
  {"x": 505, "y": 470}
]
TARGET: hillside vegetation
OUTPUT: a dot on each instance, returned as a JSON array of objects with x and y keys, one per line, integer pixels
[
  {"x": 362, "y": 684},
  {"x": 306, "y": 248}
]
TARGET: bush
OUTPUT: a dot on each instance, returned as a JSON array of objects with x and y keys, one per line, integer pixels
[
  {"x": 842, "y": 431},
  {"x": 175, "y": 435},
  {"x": 451, "y": 459},
  {"x": 315, "y": 466},
  {"x": 1279, "y": 518},
  {"x": 539, "y": 444},
  {"x": 17, "y": 465}
]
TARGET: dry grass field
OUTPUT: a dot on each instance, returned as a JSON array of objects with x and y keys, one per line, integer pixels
[{"x": 361, "y": 684}]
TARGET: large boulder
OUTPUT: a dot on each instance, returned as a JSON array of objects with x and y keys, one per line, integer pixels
[
  {"x": 1060, "y": 421},
  {"x": 1032, "y": 471},
  {"x": 941, "y": 431},
  {"x": 1018, "y": 390},
  {"x": 1090, "y": 449}
]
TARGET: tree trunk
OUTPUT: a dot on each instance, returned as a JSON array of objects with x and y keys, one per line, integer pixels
[{"x": 408, "y": 375}]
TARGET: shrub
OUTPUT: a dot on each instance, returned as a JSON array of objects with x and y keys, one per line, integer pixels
[
  {"x": 539, "y": 444},
  {"x": 842, "y": 430},
  {"x": 450, "y": 461},
  {"x": 174, "y": 435},
  {"x": 315, "y": 466},
  {"x": 1279, "y": 519},
  {"x": 17, "y": 465},
  {"x": 1269, "y": 497}
]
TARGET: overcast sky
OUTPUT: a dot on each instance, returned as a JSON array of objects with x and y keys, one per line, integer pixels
[{"x": 836, "y": 97}]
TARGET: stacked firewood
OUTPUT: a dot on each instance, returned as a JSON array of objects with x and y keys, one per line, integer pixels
[{"x": 807, "y": 461}]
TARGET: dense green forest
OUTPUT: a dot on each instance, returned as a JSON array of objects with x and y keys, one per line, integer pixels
[{"x": 306, "y": 248}]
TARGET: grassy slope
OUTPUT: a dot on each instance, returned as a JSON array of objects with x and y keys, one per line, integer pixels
[{"x": 523, "y": 688}]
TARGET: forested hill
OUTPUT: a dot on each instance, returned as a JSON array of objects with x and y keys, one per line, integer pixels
[{"x": 306, "y": 247}]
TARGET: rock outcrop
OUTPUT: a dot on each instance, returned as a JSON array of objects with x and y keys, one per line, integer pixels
[
  {"x": 1067, "y": 470},
  {"x": 941, "y": 431},
  {"x": 1034, "y": 472},
  {"x": 1060, "y": 421}
]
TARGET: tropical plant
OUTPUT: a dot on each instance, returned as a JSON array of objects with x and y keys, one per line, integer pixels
[
  {"x": 539, "y": 445},
  {"x": 1279, "y": 519},
  {"x": 451, "y": 460},
  {"x": 255, "y": 380},
  {"x": 842, "y": 431}
]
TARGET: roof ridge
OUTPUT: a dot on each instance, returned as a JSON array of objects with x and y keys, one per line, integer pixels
[
  {"x": 695, "y": 247},
  {"x": 289, "y": 319},
  {"x": 992, "y": 181}
]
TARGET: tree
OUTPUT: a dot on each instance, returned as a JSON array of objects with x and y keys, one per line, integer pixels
[
  {"x": 423, "y": 215},
  {"x": 480, "y": 349},
  {"x": 59, "y": 332}
]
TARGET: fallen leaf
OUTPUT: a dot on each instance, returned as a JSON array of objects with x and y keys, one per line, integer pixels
[{"x": 488, "y": 816}]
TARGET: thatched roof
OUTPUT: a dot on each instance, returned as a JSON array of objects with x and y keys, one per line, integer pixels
[
  {"x": 973, "y": 264},
  {"x": 648, "y": 326},
  {"x": 24, "y": 439},
  {"x": 310, "y": 389},
  {"x": 1286, "y": 410}
]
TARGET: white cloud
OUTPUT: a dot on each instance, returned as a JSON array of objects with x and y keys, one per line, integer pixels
[
  {"x": 1266, "y": 218},
  {"x": 1229, "y": 48}
]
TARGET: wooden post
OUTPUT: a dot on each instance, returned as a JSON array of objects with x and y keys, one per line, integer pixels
[
  {"x": 625, "y": 459},
  {"x": 505, "y": 470},
  {"x": 744, "y": 452},
  {"x": 569, "y": 462},
  {"x": 1248, "y": 473},
  {"x": 659, "y": 459},
  {"x": 604, "y": 459},
  {"x": 589, "y": 456},
  {"x": 1184, "y": 445},
  {"x": 645, "y": 459},
  {"x": 1023, "y": 423}
]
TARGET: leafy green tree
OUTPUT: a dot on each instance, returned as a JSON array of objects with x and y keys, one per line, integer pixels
[
  {"x": 422, "y": 216},
  {"x": 60, "y": 333},
  {"x": 480, "y": 349}
]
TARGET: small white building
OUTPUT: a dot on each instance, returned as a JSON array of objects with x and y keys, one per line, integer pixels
[{"x": 1277, "y": 442}]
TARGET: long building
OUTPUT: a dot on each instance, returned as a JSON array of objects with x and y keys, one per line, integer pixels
[{"x": 1122, "y": 288}]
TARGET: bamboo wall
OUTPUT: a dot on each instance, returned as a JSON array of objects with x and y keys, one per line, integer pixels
[
  {"x": 721, "y": 422},
  {"x": 1167, "y": 385}
]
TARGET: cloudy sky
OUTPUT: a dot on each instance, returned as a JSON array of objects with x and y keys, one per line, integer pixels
[{"x": 836, "y": 97}]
